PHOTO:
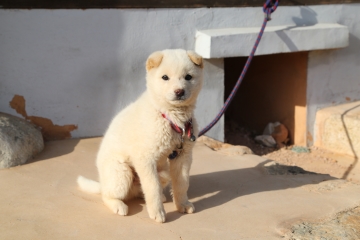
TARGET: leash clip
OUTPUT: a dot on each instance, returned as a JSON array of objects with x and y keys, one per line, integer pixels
[
  {"x": 269, "y": 7},
  {"x": 268, "y": 15}
]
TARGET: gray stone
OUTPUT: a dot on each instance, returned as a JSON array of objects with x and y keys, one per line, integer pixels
[{"x": 19, "y": 141}]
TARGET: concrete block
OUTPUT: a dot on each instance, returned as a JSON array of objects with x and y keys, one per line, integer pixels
[
  {"x": 338, "y": 129},
  {"x": 236, "y": 42}
]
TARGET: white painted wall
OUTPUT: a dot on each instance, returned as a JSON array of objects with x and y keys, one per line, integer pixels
[
  {"x": 82, "y": 66},
  {"x": 334, "y": 75}
]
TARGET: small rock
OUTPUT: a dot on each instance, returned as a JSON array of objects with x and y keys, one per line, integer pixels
[
  {"x": 235, "y": 150},
  {"x": 266, "y": 140},
  {"x": 212, "y": 143},
  {"x": 19, "y": 141},
  {"x": 224, "y": 148}
]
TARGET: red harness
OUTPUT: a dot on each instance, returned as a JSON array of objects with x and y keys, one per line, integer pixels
[
  {"x": 188, "y": 131},
  {"x": 176, "y": 128}
]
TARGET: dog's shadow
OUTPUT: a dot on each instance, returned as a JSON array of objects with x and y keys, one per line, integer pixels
[
  {"x": 135, "y": 206},
  {"x": 216, "y": 188}
]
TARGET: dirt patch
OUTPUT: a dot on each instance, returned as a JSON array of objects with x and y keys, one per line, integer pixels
[
  {"x": 274, "y": 168},
  {"x": 286, "y": 161},
  {"x": 344, "y": 225},
  {"x": 328, "y": 186},
  {"x": 315, "y": 160}
]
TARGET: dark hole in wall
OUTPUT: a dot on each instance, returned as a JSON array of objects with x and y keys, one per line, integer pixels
[{"x": 274, "y": 89}]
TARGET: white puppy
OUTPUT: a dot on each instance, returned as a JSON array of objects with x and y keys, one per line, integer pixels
[{"x": 150, "y": 142}]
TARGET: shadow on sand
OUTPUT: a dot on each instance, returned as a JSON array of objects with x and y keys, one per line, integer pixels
[
  {"x": 214, "y": 189},
  {"x": 53, "y": 149}
]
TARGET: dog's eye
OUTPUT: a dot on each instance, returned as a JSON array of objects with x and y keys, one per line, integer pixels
[
  {"x": 188, "y": 77},
  {"x": 165, "y": 77}
]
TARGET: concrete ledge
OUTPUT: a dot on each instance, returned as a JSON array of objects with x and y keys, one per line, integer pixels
[
  {"x": 235, "y": 42},
  {"x": 338, "y": 129}
]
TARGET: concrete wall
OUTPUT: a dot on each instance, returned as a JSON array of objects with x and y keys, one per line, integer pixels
[
  {"x": 334, "y": 75},
  {"x": 80, "y": 67}
]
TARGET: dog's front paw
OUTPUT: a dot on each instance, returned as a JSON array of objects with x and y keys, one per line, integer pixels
[
  {"x": 186, "y": 207},
  {"x": 116, "y": 205},
  {"x": 158, "y": 215},
  {"x": 121, "y": 209}
]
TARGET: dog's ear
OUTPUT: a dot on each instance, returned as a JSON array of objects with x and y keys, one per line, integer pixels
[
  {"x": 154, "y": 60},
  {"x": 196, "y": 59}
]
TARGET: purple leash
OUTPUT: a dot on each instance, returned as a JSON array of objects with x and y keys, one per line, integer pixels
[{"x": 268, "y": 8}]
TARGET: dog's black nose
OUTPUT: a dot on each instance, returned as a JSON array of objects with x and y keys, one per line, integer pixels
[{"x": 179, "y": 92}]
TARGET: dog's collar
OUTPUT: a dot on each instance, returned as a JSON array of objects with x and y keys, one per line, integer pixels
[{"x": 188, "y": 130}]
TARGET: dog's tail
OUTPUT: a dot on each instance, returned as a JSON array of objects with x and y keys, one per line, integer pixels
[{"x": 88, "y": 185}]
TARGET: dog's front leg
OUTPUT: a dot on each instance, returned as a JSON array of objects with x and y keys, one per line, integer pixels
[
  {"x": 179, "y": 172},
  {"x": 152, "y": 189}
]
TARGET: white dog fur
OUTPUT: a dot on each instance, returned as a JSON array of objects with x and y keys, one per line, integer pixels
[{"x": 139, "y": 139}]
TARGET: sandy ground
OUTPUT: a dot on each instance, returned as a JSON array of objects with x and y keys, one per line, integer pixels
[
  {"x": 237, "y": 196},
  {"x": 344, "y": 225},
  {"x": 317, "y": 160}
]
